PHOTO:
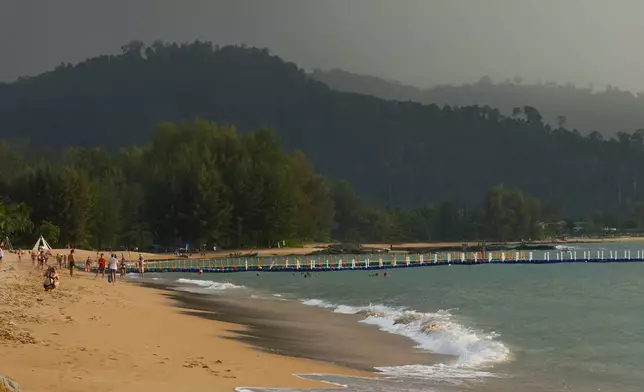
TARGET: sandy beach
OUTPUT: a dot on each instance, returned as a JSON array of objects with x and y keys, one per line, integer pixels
[{"x": 90, "y": 335}]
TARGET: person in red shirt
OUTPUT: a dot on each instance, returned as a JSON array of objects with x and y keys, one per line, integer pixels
[{"x": 101, "y": 266}]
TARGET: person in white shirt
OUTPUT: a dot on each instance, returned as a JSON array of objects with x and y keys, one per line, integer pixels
[{"x": 112, "y": 267}]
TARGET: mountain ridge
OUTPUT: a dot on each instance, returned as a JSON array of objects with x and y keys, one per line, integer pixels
[
  {"x": 393, "y": 153},
  {"x": 608, "y": 112}
]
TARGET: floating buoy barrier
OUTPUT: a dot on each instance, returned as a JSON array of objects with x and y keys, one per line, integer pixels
[{"x": 380, "y": 261}]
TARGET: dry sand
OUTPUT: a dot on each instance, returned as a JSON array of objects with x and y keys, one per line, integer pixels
[{"x": 88, "y": 335}]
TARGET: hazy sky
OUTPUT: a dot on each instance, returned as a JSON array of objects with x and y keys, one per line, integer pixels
[{"x": 421, "y": 42}]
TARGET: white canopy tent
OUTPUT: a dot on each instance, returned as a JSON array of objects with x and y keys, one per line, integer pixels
[
  {"x": 41, "y": 243},
  {"x": 7, "y": 244}
]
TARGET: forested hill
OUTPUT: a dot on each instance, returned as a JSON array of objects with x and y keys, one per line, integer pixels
[
  {"x": 392, "y": 153},
  {"x": 609, "y": 111}
]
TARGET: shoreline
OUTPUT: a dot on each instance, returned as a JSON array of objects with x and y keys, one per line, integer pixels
[
  {"x": 90, "y": 335},
  {"x": 290, "y": 328}
]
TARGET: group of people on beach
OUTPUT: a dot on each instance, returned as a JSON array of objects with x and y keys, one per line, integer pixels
[{"x": 112, "y": 265}]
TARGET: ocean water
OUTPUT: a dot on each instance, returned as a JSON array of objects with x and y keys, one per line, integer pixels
[{"x": 561, "y": 327}]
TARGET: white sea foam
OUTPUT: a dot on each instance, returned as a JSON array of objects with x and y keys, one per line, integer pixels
[
  {"x": 209, "y": 284},
  {"x": 135, "y": 275},
  {"x": 443, "y": 373},
  {"x": 318, "y": 303},
  {"x": 435, "y": 332}
]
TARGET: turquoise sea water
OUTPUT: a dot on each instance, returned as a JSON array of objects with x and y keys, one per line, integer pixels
[{"x": 561, "y": 327}]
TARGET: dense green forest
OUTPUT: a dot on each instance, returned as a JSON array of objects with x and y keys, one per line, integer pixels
[
  {"x": 394, "y": 154},
  {"x": 609, "y": 111},
  {"x": 205, "y": 184}
]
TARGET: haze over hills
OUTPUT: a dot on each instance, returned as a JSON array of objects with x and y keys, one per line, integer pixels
[
  {"x": 608, "y": 112},
  {"x": 392, "y": 153}
]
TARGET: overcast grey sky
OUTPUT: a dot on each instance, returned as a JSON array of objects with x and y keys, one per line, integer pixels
[{"x": 421, "y": 42}]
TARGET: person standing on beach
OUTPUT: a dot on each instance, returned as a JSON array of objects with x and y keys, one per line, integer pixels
[
  {"x": 123, "y": 266},
  {"x": 101, "y": 266},
  {"x": 140, "y": 264},
  {"x": 71, "y": 262},
  {"x": 41, "y": 258},
  {"x": 112, "y": 267}
]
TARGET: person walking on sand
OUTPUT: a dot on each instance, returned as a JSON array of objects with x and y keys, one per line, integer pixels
[
  {"x": 71, "y": 262},
  {"x": 88, "y": 264},
  {"x": 112, "y": 267},
  {"x": 101, "y": 267},
  {"x": 1, "y": 255},
  {"x": 141, "y": 264}
]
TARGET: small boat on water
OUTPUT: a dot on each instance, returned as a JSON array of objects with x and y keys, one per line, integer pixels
[{"x": 238, "y": 255}]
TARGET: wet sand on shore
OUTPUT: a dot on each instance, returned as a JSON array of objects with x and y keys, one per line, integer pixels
[{"x": 290, "y": 328}]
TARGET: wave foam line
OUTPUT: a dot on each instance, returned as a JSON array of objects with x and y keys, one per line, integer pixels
[
  {"x": 209, "y": 284},
  {"x": 434, "y": 332}
]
